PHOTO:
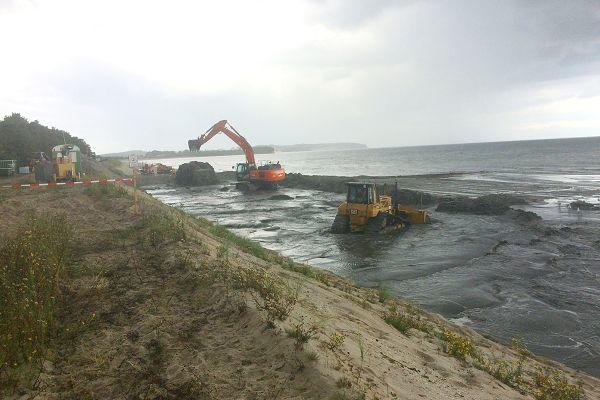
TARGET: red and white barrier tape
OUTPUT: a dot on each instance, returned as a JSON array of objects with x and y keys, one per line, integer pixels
[{"x": 85, "y": 182}]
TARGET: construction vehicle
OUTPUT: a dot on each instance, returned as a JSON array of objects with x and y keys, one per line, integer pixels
[
  {"x": 156, "y": 169},
  {"x": 41, "y": 165},
  {"x": 249, "y": 175},
  {"x": 366, "y": 211},
  {"x": 63, "y": 165},
  {"x": 66, "y": 159}
]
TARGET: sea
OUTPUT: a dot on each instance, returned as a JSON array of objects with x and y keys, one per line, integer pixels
[{"x": 504, "y": 278}]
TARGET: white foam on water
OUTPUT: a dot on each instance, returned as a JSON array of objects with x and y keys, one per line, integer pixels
[{"x": 462, "y": 321}]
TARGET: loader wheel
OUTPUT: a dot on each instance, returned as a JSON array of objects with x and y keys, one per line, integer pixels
[
  {"x": 377, "y": 224},
  {"x": 341, "y": 224}
]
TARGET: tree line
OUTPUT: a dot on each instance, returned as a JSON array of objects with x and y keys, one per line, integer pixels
[{"x": 20, "y": 139}]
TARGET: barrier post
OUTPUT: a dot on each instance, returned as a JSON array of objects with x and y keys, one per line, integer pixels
[
  {"x": 133, "y": 164},
  {"x": 136, "y": 205}
]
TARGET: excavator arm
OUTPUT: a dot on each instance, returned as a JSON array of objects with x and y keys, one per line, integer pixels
[{"x": 225, "y": 128}]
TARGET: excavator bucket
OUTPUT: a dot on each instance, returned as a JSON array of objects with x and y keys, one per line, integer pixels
[{"x": 194, "y": 144}]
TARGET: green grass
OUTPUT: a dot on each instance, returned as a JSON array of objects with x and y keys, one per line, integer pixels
[
  {"x": 383, "y": 293},
  {"x": 508, "y": 372},
  {"x": 247, "y": 245},
  {"x": 301, "y": 333},
  {"x": 157, "y": 229},
  {"x": 32, "y": 265},
  {"x": 401, "y": 322},
  {"x": 106, "y": 191},
  {"x": 254, "y": 248}
]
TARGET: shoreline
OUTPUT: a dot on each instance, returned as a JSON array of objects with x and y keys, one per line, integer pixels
[
  {"x": 409, "y": 352},
  {"x": 439, "y": 371},
  {"x": 531, "y": 241}
]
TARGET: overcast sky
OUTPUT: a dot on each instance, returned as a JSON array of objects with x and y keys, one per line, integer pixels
[{"x": 153, "y": 74}]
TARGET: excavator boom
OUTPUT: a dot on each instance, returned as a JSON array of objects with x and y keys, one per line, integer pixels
[{"x": 225, "y": 128}]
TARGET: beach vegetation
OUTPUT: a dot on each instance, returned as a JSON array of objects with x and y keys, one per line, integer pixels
[
  {"x": 510, "y": 372},
  {"x": 403, "y": 321},
  {"x": 383, "y": 293},
  {"x": 336, "y": 339},
  {"x": 108, "y": 190},
  {"x": 156, "y": 229},
  {"x": 456, "y": 345},
  {"x": 552, "y": 385},
  {"x": 32, "y": 265},
  {"x": 302, "y": 332}
]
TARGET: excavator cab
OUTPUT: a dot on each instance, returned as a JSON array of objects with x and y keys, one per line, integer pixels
[{"x": 241, "y": 171}]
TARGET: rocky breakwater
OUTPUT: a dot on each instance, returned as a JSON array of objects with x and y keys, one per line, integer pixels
[
  {"x": 499, "y": 204},
  {"x": 491, "y": 204},
  {"x": 338, "y": 184}
]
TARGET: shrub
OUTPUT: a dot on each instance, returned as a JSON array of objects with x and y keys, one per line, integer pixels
[
  {"x": 456, "y": 345},
  {"x": 106, "y": 191},
  {"x": 399, "y": 321},
  {"x": 343, "y": 382},
  {"x": 551, "y": 385},
  {"x": 301, "y": 333},
  {"x": 271, "y": 295},
  {"x": 383, "y": 293},
  {"x": 518, "y": 345},
  {"x": 31, "y": 268},
  {"x": 404, "y": 321},
  {"x": 509, "y": 372},
  {"x": 336, "y": 340},
  {"x": 156, "y": 229}
]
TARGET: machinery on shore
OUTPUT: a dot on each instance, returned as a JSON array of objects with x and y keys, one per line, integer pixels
[
  {"x": 249, "y": 175},
  {"x": 156, "y": 169},
  {"x": 366, "y": 211},
  {"x": 65, "y": 164}
]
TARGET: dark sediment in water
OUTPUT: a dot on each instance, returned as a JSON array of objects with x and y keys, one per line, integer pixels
[
  {"x": 491, "y": 204},
  {"x": 583, "y": 205},
  {"x": 280, "y": 197}
]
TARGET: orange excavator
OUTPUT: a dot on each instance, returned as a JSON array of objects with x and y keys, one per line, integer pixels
[{"x": 248, "y": 174}]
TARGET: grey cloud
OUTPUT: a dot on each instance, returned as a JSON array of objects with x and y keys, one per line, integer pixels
[
  {"x": 349, "y": 14},
  {"x": 438, "y": 72},
  {"x": 6, "y": 6}
]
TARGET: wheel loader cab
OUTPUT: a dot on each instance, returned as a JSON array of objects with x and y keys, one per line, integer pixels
[
  {"x": 362, "y": 203},
  {"x": 366, "y": 211},
  {"x": 361, "y": 193}
]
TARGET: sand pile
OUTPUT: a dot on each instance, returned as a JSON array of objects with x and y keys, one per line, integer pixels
[{"x": 196, "y": 173}]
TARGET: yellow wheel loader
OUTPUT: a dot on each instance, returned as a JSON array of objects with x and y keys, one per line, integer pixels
[{"x": 366, "y": 211}]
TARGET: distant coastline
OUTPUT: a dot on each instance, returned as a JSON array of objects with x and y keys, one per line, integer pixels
[{"x": 260, "y": 149}]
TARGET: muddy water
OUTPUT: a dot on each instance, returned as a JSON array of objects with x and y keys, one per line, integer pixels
[{"x": 497, "y": 275}]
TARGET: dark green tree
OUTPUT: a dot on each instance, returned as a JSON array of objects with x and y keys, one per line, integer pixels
[{"x": 20, "y": 139}]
